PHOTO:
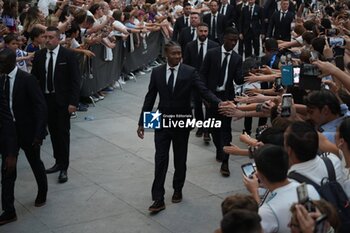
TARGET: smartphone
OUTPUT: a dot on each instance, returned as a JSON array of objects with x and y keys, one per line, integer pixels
[
  {"x": 248, "y": 169},
  {"x": 303, "y": 198},
  {"x": 320, "y": 224},
  {"x": 287, "y": 75},
  {"x": 296, "y": 75},
  {"x": 287, "y": 100},
  {"x": 339, "y": 62},
  {"x": 336, "y": 41}
]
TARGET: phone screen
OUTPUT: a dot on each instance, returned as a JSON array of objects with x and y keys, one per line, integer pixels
[
  {"x": 248, "y": 169},
  {"x": 336, "y": 41},
  {"x": 287, "y": 101},
  {"x": 296, "y": 75}
]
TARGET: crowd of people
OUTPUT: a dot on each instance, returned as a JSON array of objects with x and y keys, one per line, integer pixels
[{"x": 294, "y": 77}]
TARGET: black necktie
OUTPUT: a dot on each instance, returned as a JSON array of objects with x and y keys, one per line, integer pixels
[
  {"x": 223, "y": 9},
  {"x": 283, "y": 14},
  {"x": 171, "y": 81},
  {"x": 223, "y": 70},
  {"x": 213, "y": 30},
  {"x": 192, "y": 34},
  {"x": 50, "y": 74},
  {"x": 200, "y": 56},
  {"x": 250, "y": 11},
  {"x": 186, "y": 21}
]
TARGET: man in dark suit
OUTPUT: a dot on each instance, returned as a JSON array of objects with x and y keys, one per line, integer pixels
[
  {"x": 229, "y": 12},
  {"x": 174, "y": 83},
  {"x": 194, "y": 54},
  {"x": 182, "y": 22},
  {"x": 189, "y": 34},
  {"x": 29, "y": 110},
  {"x": 215, "y": 21},
  {"x": 239, "y": 9},
  {"x": 8, "y": 139},
  {"x": 280, "y": 23},
  {"x": 57, "y": 71},
  {"x": 220, "y": 69},
  {"x": 251, "y": 23}
]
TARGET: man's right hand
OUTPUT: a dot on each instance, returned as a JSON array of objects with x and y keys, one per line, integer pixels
[{"x": 141, "y": 132}]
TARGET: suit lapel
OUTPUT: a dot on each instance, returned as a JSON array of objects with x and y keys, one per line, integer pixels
[{"x": 58, "y": 61}]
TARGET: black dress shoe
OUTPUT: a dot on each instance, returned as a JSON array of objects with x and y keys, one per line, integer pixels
[
  {"x": 157, "y": 206},
  {"x": 177, "y": 197},
  {"x": 53, "y": 169},
  {"x": 40, "y": 200},
  {"x": 6, "y": 217},
  {"x": 199, "y": 133},
  {"x": 224, "y": 170},
  {"x": 206, "y": 138},
  {"x": 63, "y": 177}
]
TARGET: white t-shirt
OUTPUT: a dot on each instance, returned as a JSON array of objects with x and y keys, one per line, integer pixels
[
  {"x": 118, "y": 24},
  {"x": 45, "y": 5},
  {"x": 274, "y": 212},
  {"x": 316, "y": 169}
]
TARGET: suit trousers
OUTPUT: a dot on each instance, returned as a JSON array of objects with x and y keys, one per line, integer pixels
[
  {"x": 248, "y": 38},
  {"x": 162, "y": 140},
  {"x": 198, "y": 108},
  {"x": 59, "y": 127},
  {"x": 37, "y": 166},
  {"x": 221, "y": 136},
  {"x": 9, "y": 147}
]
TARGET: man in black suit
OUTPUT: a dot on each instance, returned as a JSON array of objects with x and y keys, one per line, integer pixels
[
  {"x": 189, "y": 34},
  {"x": 280, "y": 23},
  {"x": 239, "y": 9},
  {"x": 8, "y": 139},
  {"x": 220, "y": 69},
  {"x": 174, "y": 83},
  {"x": 182, "y": 22},
  {"x": 57, "y": 71},
  {"x": 215, "y": 21},
  {"x": 251, "y": 23},
  {"x": 194, "y": 55},
  {"x": 229, "y": 12}
]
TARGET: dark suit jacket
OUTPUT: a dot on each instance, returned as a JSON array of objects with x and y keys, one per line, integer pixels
[
  {"x": 211, "y": 68},
  {"x": 191, "y": 53},
  {"x": 180, "y": 101},
  {"x": 67, "y": 75},
  {"x": 29, "y": 109},
  {"x": 185, "y": 37},
  {"x": 230, "y": 16},
  {"x": 220, "y": 25},
  {"x": 281, "y": 29},
  {"x": 253, "y": 22},
  {"x": 178, "y": 26}
]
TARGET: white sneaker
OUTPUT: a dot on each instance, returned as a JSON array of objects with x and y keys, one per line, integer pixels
[
  {"x": 121, "y": 81},
  {"x": 116, "y": 84}
]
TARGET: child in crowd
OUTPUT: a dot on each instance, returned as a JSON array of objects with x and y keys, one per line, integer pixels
[
  {"x": 37, "y": 38},
  {"x": 12, "y": 42}
]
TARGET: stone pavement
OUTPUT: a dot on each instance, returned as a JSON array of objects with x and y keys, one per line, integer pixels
[{"x": 110, "y": 177}]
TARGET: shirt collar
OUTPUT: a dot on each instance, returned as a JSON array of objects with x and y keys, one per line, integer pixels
[
  {"x": 223, "y": 50},
  {"x": 55, "y": 51},
  {"x": 304, "y": 165},
  {"x": 216, "y": 14},
  {"x": 204, "y": 42},
  {"x": 329, "y": 126},
  {"x": 13, "y": 73},
  {"x": 176, "y": 68},
  {"x": 285, "y": 12}
]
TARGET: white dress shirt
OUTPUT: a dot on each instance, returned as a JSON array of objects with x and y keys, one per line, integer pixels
[
  {"x": 168, "y": 73},
  {"x": 281, "y": 14},
  {"x": 223, "y": 51},
  {"x": 195, "y": 33},
  {"x": 205, "y": 46},
  {"x": 12, "y": 78},
  {"x": 223, "y": 11},
  {"x": 54, "y": 57}
]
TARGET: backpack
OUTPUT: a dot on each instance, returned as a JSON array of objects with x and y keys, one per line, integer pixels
[{"x": 331, "y": 191}]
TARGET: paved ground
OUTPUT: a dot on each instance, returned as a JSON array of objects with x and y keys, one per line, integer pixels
[{"x": 110, "y": 178}]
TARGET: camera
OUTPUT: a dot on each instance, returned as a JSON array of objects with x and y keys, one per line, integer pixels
[{"x": 303, "y": 198}]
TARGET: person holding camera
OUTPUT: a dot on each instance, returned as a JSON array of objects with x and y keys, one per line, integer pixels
[{"x": 271, "y": 170}]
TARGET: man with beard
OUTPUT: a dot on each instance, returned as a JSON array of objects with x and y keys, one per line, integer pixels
[{"x": 194, "y": 55}]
